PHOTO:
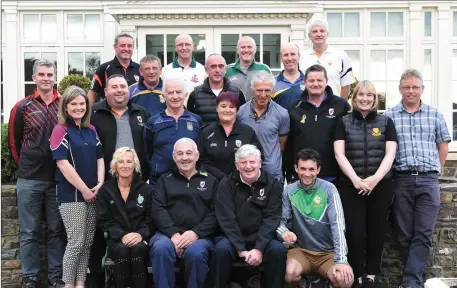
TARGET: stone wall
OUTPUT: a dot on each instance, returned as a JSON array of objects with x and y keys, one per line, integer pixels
[{"x": 442, "y": 261}]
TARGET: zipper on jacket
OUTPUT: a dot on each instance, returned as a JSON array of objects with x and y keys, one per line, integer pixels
[
  {"x": 365, "y": 150},
  {"x": 225, "y": 143},
  {"x": 315, "y": 118}
]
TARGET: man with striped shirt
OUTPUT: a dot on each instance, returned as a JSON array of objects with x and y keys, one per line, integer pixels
[
  {"x": 423, "y": 139},
  {"x": 313, "y": 209}
]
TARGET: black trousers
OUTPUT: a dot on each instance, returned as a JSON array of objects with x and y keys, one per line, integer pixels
[
  {"x": 130, "y": 264},
  {"x": 96, "y": 278},
  {"x": 366, "y": 222}
]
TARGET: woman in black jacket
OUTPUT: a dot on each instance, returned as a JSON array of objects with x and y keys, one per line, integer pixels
[
  {"x": 365, "y": 146},
  {"x": 218, "y": 142},
  {"x": 124, "y": 205}
]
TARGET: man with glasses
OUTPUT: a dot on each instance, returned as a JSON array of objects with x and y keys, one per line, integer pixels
[
  {"x": 269, "y": 120},
  {"x": 423, "y": 139},
  {"x": 185, "y": 66}
]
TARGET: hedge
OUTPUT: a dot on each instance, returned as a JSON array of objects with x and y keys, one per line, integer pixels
[
  {"x": 9, "y": 167},
  {"x": 74, "y": 79}
]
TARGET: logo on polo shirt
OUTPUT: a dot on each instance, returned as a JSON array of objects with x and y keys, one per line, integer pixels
[
  {"x": 238, "y": 143},
  {"x": 330, "y": 113},
  {"x": 190, "y": 126},
  {"x": 139, "y": 119},
  {"x": 262, "y": 195},
  {"x": 376, "y": 132},
  {"x": 194, "y": 78},
  {"x": 202, "y": 186},
  {"x": 137, "y": 77}
]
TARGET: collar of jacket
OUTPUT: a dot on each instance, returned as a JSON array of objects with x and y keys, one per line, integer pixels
[
  {"x": 370, "y": 116},
  {"x": 142, "y": 86},
  {"x": 262, "y": 178},
  {"x": 207, "y": 87},
  {"x": 113, "y": 187},
  {"x": 201, "y": 172},
  {"x": 304, "y": 97},
  {"x": 235, "y": 129}
]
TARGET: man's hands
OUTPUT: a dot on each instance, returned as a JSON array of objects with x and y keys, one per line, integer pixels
[
  {"x": 187, "y": 238},
  {"x": 343, "y": 274},
  {"x": 131, "y": 239},
  {"x": 252, "y": 257},
  {"x": 175, "y": 239},
  {"x": 289, "y": 236}
]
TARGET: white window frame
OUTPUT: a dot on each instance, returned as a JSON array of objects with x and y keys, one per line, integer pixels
[
  {"x": 453, "y": 144},
  {"x": 433, "y": 98},
  {"x": 83, "y": 41},
  {"x": 60, "y": 71},
  {"x": 356, "y": 47},
  {"x": 347, "y": 39},
  {"x": 81, "y": 50},
  {"x": 454, "y": 10},
  {"x": 58, "y": 39},
  {"x": 386, "y": 39}
]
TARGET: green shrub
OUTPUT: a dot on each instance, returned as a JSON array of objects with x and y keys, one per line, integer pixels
[
  {"x": 74, "y": 79},
  {"x": 9, "y": 167}
]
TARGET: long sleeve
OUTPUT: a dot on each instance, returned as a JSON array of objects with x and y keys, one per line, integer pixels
[
  {"x": 209, "y": 224},
  {"x": 225, "y": 214},
  {"x": 160, "y": 216},
  {"x": 336, "y": 218},
  {"x": 144, "y": 229},
  {"x": 106, "y": 221},
  {"x": 15, "y": 131},
  {"x": 286, "y": 213},
  {"x": 271, "y": 217},
  {"x": 148, "y": 136}
]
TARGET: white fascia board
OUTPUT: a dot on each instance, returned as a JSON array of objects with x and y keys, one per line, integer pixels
[
  {"x": 59, "y": 5},
  {"x": 383, "y": 4}
]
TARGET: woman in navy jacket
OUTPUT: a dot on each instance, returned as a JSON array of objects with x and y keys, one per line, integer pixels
[{"x": 81, "y": 170}]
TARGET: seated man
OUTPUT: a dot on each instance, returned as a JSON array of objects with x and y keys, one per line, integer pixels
[
  {"x": 183, "y": 213},
  {"x": 317, "y": 232},
  {"x": 248, "y": 210}
]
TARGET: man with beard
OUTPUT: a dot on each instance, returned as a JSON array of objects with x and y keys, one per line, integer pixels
[
  {"x": 119, "y": 123},
  {"x": 121, "y": 64},
  {"x": 148, "y": 91}
]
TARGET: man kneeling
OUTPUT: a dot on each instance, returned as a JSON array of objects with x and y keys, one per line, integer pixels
[{"x": 317, "y": 226}]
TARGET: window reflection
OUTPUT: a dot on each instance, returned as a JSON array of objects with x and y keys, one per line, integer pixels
[
  {"x": 352, "y": 24},
  {"x": 271, "y": 50},
  {"x": 92, "y": 27},
  {"x": 92, "y": 63},
  {"x": 427, "y": 24},
  {"x": 75, "y": 30},
  {"x": 395, "y": 28},
  {"x": 335, "y": 24},
  {"x": 75, "y": 63},
  {"x": 228, "y": 48},
  {"x": 378, "y": 24}
]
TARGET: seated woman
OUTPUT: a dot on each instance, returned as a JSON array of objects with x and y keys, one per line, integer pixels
[
  {"x": 124, "y": 205},
  {"x": 218, "y": 142}
]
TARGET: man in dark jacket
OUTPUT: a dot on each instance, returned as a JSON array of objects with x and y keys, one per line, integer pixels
[
  {"x": 183, "y": 213},
  {"x": 248, "y": 210},
  {"x": 119, "y": 123},
  {"x": 202, "y": 101},
  {"x": 313, "y": 118}
]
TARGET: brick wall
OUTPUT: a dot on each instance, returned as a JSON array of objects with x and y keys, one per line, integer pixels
[{"x": 442, "y": 261}]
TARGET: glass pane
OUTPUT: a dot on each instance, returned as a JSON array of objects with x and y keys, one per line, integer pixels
[
  {"x": 378, "y": 24},
  {"x": 75, "y": 30},
  {"x": 454, "y": 66},
  {"x": 354, "y": 55},
  {"x": 29, "y": 59},
  {"x": 31, "y": 27},
  {"x": 171, "y": 51},
  {"x": 92, "y": 27},
  {"x": 381, "y": 93},
  {"x": 228, "y": 42},
  {"x": 257, "y": 42},
  {"x": 393, "y": 96},
  {"x": 50, "y": 56},
  {"x": 351, "y": 24},
  {"x": 427, "y": 95},
  {"x": 454, "y": 23},
  {"x": 154, "y": 46},
  {"x": 454, "y": 94},
  {"x": 48, "y": 27},
  {"x": 199, "y": 47},
  {"x": 454, "y": 125},
  {"x": 378, "y": 65},
  {"x": 271, "y": 50},
  {"x": 394, "y": 64},
  {"x": 29, "y": 88},
  {"x": 428, "y": 64},
  {"x": 335, "y": 24},
  {"x": 75, "y": 63},
  {"x": 427, "y": 24},
  {"x": 92, "y": 63},
  {"x": 395, "y": 27}
]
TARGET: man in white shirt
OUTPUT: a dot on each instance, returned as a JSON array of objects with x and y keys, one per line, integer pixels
[
  {"x": 335, "y": 61},
  {"x": 185, "y": 66}
]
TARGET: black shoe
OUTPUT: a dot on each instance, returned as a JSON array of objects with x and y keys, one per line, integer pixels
[
  {"x": 58, "y": 284},
  {"x": 254, "y": 281},
  {"x": 407, "y": 286},
  {"x": 28, "y": 283},
  {"x": 367, "y": 283}
]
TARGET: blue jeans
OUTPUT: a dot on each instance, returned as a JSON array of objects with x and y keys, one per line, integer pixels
[
  {"x": 416, "y": 206},
  {"x": 32, "y": 197},
  {"x": 163, "y": 258}
]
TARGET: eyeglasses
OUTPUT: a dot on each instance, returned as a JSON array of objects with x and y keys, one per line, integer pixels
[
  {"x": 187, "y": 45},
  {"x": 407, "y": 88}
]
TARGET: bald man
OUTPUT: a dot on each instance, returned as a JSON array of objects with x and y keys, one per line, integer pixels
[
  {"x": 245, "y": 67},
  {"x": 185, "y": 66}
]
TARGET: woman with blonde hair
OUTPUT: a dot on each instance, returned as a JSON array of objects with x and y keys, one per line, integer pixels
[
  {"x": 365, "y": 146},
  {"x": 124, "y": 206},
  {"x": 78, "y": 153}
]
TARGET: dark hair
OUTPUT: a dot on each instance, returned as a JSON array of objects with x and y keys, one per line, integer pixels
[
  {"x": 308, "y": 154},
  {"x": 316, "y": 68},
  {"x": 232, "y": 97},
  {"x": 114, "y": 76}
]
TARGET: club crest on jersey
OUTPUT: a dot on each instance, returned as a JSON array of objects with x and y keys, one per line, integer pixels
[
  {"x": 137, "y": 77},
  {"x": 161, "y": 99},
  {"x": 202, "y": 186},
  {"x": 262, "y": 194},
  {"x": 238, "y": 143},
  {"x": 194, "y": 78},
  {"x": 302, "y": 87},
  {"x": 331, "y": 111},
  {"x": 190, "y": 126},
  {"x": 317, "y": 200},
  {"x": 376, "y": 132},
  {"x": 139, "y": 119}
]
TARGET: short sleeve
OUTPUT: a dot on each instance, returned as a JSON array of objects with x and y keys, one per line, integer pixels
[
  {"x": 59, "y": 143},
  {"x": 97, "y": 83},
  {"x": 340, "y": 131},
  {"x": 346, "y": 76},
  {"x": 442, "y": 133},
  {"x": 391, "y": 132},
  {"x": 284, "y": 123}
]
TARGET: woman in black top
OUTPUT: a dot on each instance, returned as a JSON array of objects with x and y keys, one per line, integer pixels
[
  {"x": 218, "y": 142},
  {"x": 124, "y": 207},
  {"x": 365, "y": 146}
]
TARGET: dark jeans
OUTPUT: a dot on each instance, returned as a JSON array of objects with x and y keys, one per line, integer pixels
[
  {"x": 96, "y": 278},
  {"x": 37, "y": 201},
  {"x": 163, "y": 258},
  {"x": 274, "y": 263},
  {"x": 416, "y": 207},
  {"x": 130, "y": 268},
  {"x": 366, "y": 222}
]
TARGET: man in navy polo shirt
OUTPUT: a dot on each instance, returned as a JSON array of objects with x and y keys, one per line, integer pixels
[
  {"x": 165, "y": 128},
  {"x": 121, "y": 64}
]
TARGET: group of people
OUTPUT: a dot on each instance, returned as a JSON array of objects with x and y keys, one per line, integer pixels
[{"x": 188, "y": 165}]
